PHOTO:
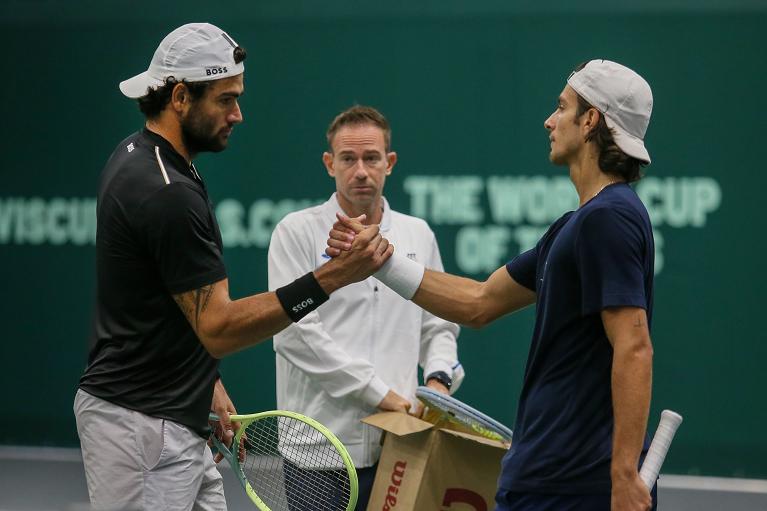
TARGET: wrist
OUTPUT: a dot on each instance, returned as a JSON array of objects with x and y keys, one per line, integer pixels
[
  {"x": 402, "y": 275},
  {"x": 440, "y": 377},
  {"x": 622, "y": 471},
  {"x": 301, "y": 296},
  {"x": 327, "y": 277}
]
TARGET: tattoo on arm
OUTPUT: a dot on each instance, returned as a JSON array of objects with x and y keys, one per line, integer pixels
[
  {"x": 638, "y": 323},
  {"x": 194, "y": 303}
]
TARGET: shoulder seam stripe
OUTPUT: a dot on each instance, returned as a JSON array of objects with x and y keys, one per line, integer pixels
[{"x": 162, "y": 167}]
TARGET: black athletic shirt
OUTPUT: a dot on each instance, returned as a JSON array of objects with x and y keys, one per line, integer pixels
[
  {"x": 600, "y": 256},
  {"x": 156, "y": 236}
]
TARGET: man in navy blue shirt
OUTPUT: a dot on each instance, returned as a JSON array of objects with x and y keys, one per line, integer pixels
[{"x": 580, "y": 431}]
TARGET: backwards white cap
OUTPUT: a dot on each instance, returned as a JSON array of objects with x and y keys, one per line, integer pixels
[
  {"x": 194, "y": 52},
  {"x": 623, "y": 97}
]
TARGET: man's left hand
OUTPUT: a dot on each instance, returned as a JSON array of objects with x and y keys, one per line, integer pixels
[{"x": 223, "y": 407}]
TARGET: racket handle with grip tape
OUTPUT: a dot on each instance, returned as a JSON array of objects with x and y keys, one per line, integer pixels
[{"x": 669, "y": 422}]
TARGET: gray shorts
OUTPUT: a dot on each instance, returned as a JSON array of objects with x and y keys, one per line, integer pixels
[{"x": 136, "y": 462}]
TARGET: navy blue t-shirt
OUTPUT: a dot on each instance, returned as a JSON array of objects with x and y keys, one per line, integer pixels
[{"x": 599, "y": 256}]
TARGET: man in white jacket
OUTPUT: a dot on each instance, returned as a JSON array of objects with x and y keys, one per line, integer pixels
[{"x": 359, "y": 352}]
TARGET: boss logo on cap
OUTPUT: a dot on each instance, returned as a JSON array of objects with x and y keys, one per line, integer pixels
[{"x": 216, "y": 70}]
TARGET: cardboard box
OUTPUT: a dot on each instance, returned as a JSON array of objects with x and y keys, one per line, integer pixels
[{"x": 427, "y": 467}]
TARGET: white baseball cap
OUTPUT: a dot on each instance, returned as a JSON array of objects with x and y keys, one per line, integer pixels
[
  {"x": 194, "y": 52},
  {"x": 623, "y": 97}
]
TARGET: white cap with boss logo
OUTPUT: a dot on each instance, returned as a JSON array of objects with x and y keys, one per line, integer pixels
[
  {"x": 623, "y": 97},
  {"x": 195, "y": 52}
]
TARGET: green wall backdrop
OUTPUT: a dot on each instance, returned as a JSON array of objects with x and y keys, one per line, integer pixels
[{"x": 466, "y": 87}]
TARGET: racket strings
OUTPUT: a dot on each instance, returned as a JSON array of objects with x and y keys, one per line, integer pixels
[
  {"x": 466, "y": 422},
  {"x": 463, "y": 416},
  {"x": 292, "y": 466},
  {"x": 475, "y": 426}
]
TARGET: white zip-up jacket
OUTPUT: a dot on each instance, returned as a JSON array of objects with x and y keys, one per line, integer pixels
[{"x": 338, "y": 362}]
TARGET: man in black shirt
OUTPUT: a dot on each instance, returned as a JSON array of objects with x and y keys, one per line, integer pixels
[{"x": 163, "y": 314}]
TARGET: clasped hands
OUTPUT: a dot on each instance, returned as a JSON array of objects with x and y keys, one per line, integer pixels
[
  {"x": 356, "y": 250},
  {"x": 344, "y": 234}
]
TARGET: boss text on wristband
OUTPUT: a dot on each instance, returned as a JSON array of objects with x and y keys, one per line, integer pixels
[{"x": 301, "y": 296}]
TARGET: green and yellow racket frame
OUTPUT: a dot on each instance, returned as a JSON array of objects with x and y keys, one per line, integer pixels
[{"x": 246, "y": 420}]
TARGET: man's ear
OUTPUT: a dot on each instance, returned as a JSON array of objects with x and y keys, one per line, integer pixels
[
  {"x": 391, "y": 160},
  {"x": 327, "y": 159},
  {"x": 590, "y": 121},
  {"x": 179, "y": 97}
]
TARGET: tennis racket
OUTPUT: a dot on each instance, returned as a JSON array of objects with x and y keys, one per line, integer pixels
[
  {"x": 450, "y": 409},
  {"x": 287, "y": 461},
  {"x": 669, "y": 422}
]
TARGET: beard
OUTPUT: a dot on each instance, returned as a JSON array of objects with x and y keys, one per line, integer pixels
[{"x": 199, "y": 133}]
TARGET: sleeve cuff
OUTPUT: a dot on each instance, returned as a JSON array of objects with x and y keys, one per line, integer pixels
[
  {"x": 613, "y": 300},
  {"x": 458, "y": 376},
  {"x": 375, "y": 391},
  {"x": 437, "y": 365}
]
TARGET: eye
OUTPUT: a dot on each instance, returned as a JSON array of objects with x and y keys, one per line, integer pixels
[{"x": 372, "y": 158}]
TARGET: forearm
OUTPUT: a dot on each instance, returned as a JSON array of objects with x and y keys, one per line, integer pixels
[
  {"x": 453, "y": 298},
  {"x": 225, "y": 326},
  {"x": 243, "y": 323},
  {"x": 250, "y": 320},
  {"x": 631, "y": 390},
  {"x": 470, "y": 302},
  {"x": 450, "y": 297}
]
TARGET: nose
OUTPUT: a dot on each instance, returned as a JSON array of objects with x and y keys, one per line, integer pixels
[
  {"x": 235, "y": 117},
  {"x": 360, "y": 171},
  {"x": 549, "y": 123}
]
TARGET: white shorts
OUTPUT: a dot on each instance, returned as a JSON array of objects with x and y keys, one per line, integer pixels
[{"x": 136, "y": 462}]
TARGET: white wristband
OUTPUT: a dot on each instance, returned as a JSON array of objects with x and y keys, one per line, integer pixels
[{"x": 401, "y": 275}]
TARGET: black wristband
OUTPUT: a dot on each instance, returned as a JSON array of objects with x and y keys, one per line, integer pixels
[
  {"x": 442, "y": 377},
  {"x": 301, "y": 296}
]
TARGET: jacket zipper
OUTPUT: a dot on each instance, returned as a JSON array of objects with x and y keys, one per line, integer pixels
[{"x": 374, "y": 337}]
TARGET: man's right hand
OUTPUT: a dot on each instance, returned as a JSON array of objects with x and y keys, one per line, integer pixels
[
  {"x": 343, "y": 233},
  {"x": 629, "y": 493},
  {"x": 366, "y": 254},
  {"x": 393, "y": 402}
]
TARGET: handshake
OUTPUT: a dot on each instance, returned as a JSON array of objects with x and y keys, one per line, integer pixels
[{"x": 358, "y": 251}]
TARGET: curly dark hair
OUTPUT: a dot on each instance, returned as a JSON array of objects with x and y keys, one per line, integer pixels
[
  {"x": 612, "y": 160},
  {"x": 157, "y": 99}
]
